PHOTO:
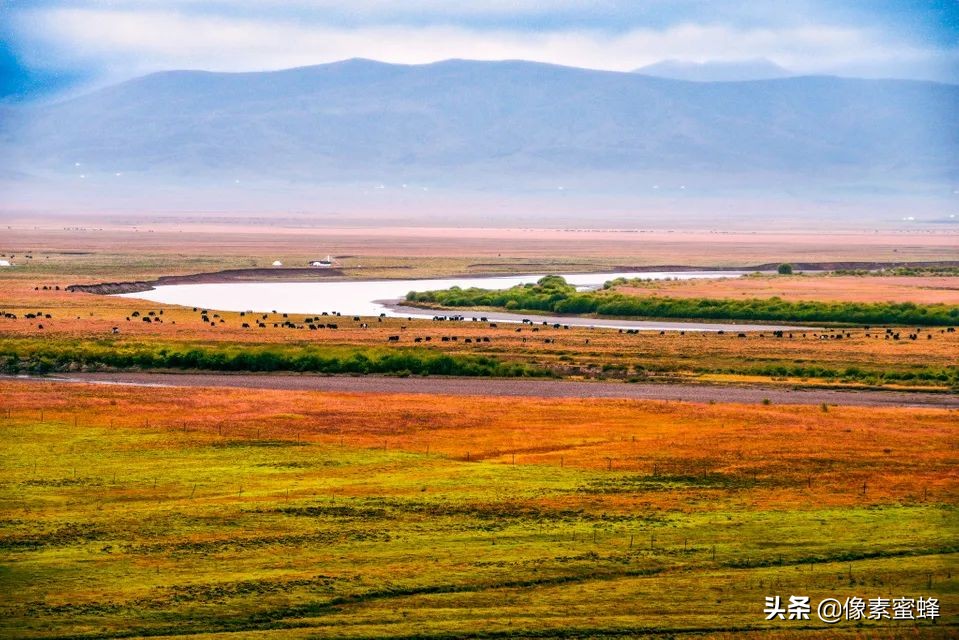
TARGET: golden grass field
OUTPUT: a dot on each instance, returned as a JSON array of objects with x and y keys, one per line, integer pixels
[
  {"x": 223, "y": 512},
  {"x": 233, "y": 513},
  {"x": 918, "y": 289}
]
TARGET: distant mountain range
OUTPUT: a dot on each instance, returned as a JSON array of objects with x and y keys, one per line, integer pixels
[
  {"x": 491, "y": 125},
  {"x": 714, "y": 71}
]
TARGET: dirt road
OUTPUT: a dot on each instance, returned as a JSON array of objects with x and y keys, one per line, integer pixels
[{"x": 523, "y": 388}]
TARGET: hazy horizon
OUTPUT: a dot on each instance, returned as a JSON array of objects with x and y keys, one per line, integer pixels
[{"x": 688, "y": 114}]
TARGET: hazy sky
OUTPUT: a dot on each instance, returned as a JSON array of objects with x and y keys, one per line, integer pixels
[{"x": 52, "y": 45}]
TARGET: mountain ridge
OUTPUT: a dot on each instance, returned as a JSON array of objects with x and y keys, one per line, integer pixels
[
  {"x": 509, "y": 125},
  {"x": 717, "y": 71}
]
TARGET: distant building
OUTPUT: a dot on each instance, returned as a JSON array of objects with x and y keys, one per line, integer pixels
[
  {"x": 325, "y": 263},
  {"x": 5, "y": 263},
  {"x": 277, "y": 263}
]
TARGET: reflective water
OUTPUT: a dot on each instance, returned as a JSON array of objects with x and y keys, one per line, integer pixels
[{"x": 375, "y": 297}]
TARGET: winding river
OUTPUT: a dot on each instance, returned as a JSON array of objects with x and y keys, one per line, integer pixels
[{"x": 375, "y": 297}]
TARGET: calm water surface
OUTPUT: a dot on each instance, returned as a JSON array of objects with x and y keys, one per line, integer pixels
[{"x": 375, "y": 297}]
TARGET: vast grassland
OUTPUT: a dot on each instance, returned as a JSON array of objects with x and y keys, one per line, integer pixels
[
  {"x": 81, "y": 324},
  {"x": 227, "y": 513},
  {"x": 305, "y": 514},
  {"x": 859, "y": 358}
]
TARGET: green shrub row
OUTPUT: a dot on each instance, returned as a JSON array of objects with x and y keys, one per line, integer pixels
[
  {"x": 17, "y": 356},
  {"x": 948, "y": 376},
  {"x": 553, "y": 294}
]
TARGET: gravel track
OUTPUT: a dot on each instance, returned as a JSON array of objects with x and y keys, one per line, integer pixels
[{"x": 521, "y": 388}]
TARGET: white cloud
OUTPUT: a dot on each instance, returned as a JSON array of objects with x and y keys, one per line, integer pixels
[
  {"x": 127, "y": 42},
  {"x": 376, "y": 9}
]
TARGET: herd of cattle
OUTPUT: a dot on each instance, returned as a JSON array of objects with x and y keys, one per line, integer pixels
[{"x": 322, "y": 322}]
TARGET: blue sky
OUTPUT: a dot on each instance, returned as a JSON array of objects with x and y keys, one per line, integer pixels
[{"x": 49, "y": 46}]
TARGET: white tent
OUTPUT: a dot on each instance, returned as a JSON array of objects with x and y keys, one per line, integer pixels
[
  {"x": 5, "y": 263},
  {"x": 277, "y": 263}
]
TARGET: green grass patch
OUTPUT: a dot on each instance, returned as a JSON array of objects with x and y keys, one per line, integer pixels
[{"x": 190, "y": 538}]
